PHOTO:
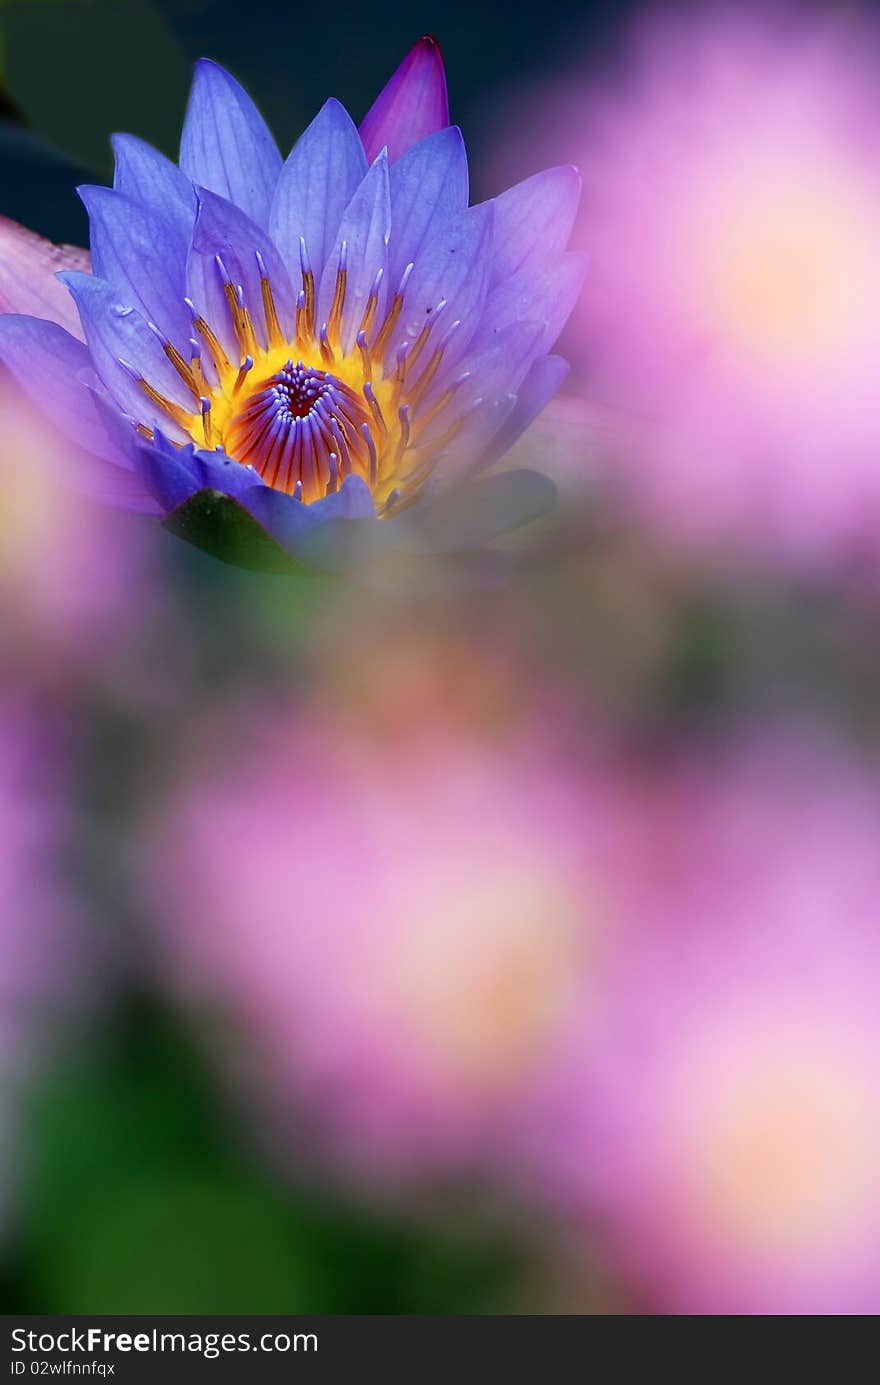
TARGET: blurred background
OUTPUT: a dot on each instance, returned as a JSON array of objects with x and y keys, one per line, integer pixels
[{"x": 497, "y": 938}]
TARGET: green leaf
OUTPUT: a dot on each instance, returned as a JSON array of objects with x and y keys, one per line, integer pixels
[
  {"x": 220, "y": 526},
  {"x": 140, "y": 1190}
]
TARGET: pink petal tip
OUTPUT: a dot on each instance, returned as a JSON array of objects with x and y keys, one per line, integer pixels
[{"x": 413, "y": 104}]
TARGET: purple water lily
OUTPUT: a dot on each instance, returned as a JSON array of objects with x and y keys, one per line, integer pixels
[{"x": 334, "y": 336}]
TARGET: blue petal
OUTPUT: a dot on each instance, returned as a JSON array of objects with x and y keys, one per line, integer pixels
[
  {"x": 56, "y": 372},
  {"x": 166, "y": 474},
  {"x": 147, "y": 176},
  {"x": 484, "y": 400},
  {"x": 330, "y": 535},
  {"x": 223, "y": 230},
  {"x": 429, "y": 185},
  {"x": 499, "y": 361},
  {"x": 286, "y": 518},
  {"x": 534, "y": 219},
  {"x": 115, "y": 334},
  {"x": 226, "y": 145},
  {"x": 546, "y": 291},
  {"x": 365, "y": 228},
  {"x": 474, "y": 435},
  {"x": 173, "y": 474},
  {"x": 318, "y": 180},
  {"x": 216, "y": 471},
  {"x": 454, "y": 266},
  {"x": 142, "y": 255},
  {"x": 119, "y": 484}
]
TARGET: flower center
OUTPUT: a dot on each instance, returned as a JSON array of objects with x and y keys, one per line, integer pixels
[
  {"x": 374, "y": 410},
  {"x": 300, "y": 426}
]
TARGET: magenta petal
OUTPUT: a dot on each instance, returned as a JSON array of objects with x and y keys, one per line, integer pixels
[
  {"x": 413, "y": 104},
  {"x": 28, "y": 265}
]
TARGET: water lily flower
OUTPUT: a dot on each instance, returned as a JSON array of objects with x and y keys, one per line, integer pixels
[{"x": 300, "y": 354}]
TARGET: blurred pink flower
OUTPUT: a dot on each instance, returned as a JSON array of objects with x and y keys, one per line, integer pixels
[
  {"x": 74, "y": 576},
  {"x": 404, "y": 937},
  {"x": 732, "y": 215},
  {"x": 722, "y": 1127}
]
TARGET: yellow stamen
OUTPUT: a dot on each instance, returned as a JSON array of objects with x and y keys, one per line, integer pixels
[
  {"x": 327, "y": 355},
  {"x": 273, "y": 326},
  {"x": 183, "y": 368},
  {"x": 222, "y": 363},
  {"x": 387, "y": 327},
  {"x": 418, "y": 389},
  {"x": 308, "y": 282},
  {"x": 180, "y": 416},
  {"x": 366, "y": 358},
  {"x": 334, "y": 322}
]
